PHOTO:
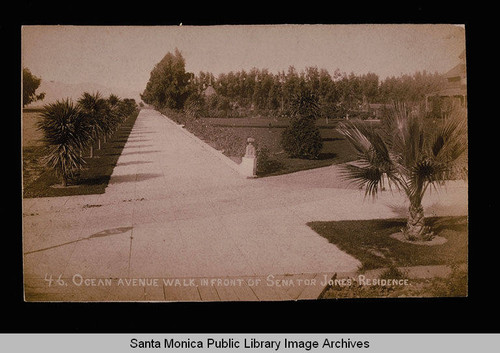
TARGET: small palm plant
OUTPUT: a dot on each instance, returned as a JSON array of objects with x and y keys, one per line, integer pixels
[
  {"x": 128, "y": 107},
  {"x": 66, "y": 132},
  {"x": 94, "y": 108},
  {"x": 407, "y": 155},
  {"x": 113, "y": 100},
  {"x": 113, "y": 114}
]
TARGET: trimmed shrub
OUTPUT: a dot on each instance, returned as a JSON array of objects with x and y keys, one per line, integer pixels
[
  {"x": 302, "y": 139},
  {"x": 265, "y": 163}
]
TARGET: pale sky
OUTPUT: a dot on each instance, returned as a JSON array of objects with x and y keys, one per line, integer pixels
[{"x": 123, "y": 56}]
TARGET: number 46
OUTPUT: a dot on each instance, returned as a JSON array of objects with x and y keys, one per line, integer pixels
[{"x": 50, "y": 280}]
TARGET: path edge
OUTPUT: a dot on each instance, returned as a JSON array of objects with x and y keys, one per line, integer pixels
[{"x": 222, "y": 157}]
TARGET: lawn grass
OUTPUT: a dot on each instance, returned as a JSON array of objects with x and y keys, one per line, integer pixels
[
  {"x": 230, "y": 135},
  {"x": 31, "y": 136},
  {"x": 93, "y": 179},
  {"x": 454, "y": 285},
  {"x": 336, "y": 150},
  {"x": 369, "y": 241},
  {"x": 32, "y": 168}
]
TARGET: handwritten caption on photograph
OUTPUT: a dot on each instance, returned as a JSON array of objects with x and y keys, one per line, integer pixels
[{"x": 79, "y": 280}]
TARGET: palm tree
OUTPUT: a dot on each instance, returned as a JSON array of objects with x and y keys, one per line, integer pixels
[
  {"x": 114, "y": 115},
  {"x": 114, "y": 100},
  {"x": 66, "y": 132},
  {"x": 94, "y": 108},
  {"x": 410, "y": 156}
]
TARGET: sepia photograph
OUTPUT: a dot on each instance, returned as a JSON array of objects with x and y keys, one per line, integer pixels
[{"x": 224, "y": 163}]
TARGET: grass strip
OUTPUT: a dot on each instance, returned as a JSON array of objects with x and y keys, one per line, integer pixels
[
  {"x": 93, "y": 179},
  {"x": 369, "y": 241}
]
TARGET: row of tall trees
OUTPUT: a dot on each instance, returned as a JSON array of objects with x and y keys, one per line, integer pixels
[
  {"x": 69, "y": 130},
  {"x": 170, "y": 86},
  {"x": 337, "y": 94}
]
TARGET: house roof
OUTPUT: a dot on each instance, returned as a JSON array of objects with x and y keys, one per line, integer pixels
[{"x": 457, "y": 71}]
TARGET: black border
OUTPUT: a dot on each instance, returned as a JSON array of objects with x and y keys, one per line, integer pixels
[
  {"x": 93, "y": 12},
  {"x": 435, "y": 315}
]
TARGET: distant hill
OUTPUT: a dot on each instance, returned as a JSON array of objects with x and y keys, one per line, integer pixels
[{"x": 58, "y": 90}]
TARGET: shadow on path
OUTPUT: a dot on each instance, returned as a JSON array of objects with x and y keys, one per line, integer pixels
[
  {"x": 101, "y": 234},
  {"x": 133, "y": 178},
  {"x": 122, "y": 164},
  {"x": 140, "y": 152}
]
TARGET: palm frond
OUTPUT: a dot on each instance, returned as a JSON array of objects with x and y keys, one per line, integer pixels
[
  {"x": 356, "y": 138},
  {"x": 104, "y": 115},
  {"x": 364, "y": 176},
  {"x": 426, "y": 172},
  {"x": 450, "y": 140},
  {"x": 410, "y": 156},
  {"x": 374, "y": 158}
]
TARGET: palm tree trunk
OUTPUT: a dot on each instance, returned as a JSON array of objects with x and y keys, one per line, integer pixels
[
  {"x": 64, "y": 181},
  {"x": 91, "y": 151},
  {"x": 99, "y": 143},
  {"x": 415, "y": 229}
]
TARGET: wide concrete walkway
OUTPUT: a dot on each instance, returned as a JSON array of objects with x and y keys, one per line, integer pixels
[{"x": 176, "y": 223}]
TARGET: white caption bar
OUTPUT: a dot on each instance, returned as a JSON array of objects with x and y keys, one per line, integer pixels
[{"x": 370, "y": 343}]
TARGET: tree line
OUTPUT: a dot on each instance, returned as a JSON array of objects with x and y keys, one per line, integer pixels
[
  {"x": 30, "y": 85},
  {"x": 233, "y": 94}
]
